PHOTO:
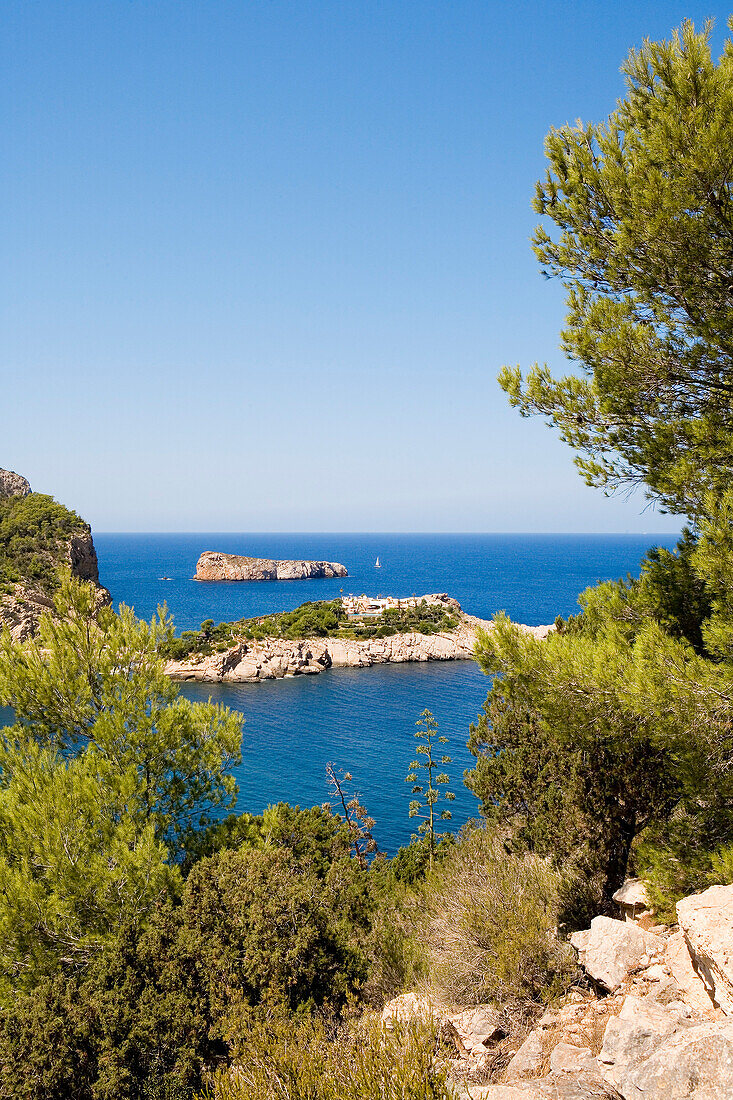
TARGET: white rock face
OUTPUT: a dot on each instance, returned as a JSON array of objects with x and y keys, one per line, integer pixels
[
  {"x": 13, "y": 485},
  {"x": 695, "y": 1063},
  {"x": 706, "y": 921},
  {"x": 637, "y": 1033},
  {"x": 528, "y": 1059},
  {"x": 407, "y": 1007},
  {"x": 215, "y": 566},
  {"x": 694, "y": 990},
  {"x": 632, "y": 899},
  {"x": 611, "y": 949}
]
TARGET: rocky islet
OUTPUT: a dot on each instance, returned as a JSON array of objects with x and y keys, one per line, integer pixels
[{"x": 216, "y": 566}]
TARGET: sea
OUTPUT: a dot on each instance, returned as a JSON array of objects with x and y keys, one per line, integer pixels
[{"x": 362, "y": 720}]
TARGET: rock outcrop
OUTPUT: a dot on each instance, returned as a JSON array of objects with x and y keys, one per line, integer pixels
[
  {"x": 274, "y": 658},
  {"x": 611, "y": 950},
  {"x": 214, "y": 566},
  {"x": 706, "y": 922},
  {"x": 24, "y": 601},
  {"x": 13, "y": 485},
  {"x": 658, "y": 1035}
]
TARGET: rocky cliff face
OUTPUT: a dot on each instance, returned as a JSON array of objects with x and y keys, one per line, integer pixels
[
  {"x": 13, "y": 485},
  {"x": 214, "y": 566},
  {"x": 25, "y": 598},
  {"x": 275, "y": 658}
]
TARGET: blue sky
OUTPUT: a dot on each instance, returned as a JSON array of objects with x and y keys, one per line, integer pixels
[{"x": 263, "y": 261}]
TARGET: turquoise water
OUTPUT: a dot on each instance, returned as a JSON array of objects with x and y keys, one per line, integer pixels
[{"x": 362, "y": 720}]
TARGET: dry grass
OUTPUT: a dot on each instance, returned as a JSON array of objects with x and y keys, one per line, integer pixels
[{"x": 490, "y": 928}]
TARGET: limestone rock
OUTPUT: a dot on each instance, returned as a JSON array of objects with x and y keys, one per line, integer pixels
[
  {"x": 566, "y": 1058},
  {"x": 632, "y": 899},
  {"x": 478, "y": 1027},
  {"x": 13, "y": 485},
  {"x": 214, "y": 566},
  {"x": 528, "y": 1059},
  {"x": 548, "y": 1088},
  {"x": 692, "y": 988},
  {"x": 408, "y": 1007},
  {"x": 635, "y": 1034},
  {"x": 695, "y": 1063},
  {"x": 611, "y": 950},
  {"x": 706, "y": 921}
]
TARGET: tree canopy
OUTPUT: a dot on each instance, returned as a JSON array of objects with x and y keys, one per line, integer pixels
[
  {"x": 638, "y": 226},
  {"x": 608, "y": 746}
]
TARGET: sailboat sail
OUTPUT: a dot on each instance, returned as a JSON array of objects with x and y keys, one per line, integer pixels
[{"x": 377, "y": 564}]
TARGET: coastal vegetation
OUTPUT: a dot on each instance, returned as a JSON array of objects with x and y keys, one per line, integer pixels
[
  {"x": 155, "y": 947},
  {"x": 34, "y": 534},
  {"x": 315, "y": 619},
  {"x": 608, "y": 747}
]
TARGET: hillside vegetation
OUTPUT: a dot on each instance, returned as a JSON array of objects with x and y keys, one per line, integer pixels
[
  {"x": 316, "y": 619},
  {"x": 34, "y": 534}
]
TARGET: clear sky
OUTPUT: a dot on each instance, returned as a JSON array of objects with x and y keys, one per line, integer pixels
[{"x": 263, "y": 260}]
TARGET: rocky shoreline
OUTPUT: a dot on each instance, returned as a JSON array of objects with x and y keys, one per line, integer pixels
[
  {"x": 22, "y": 606},
  {"x": 277, "y": 658}
]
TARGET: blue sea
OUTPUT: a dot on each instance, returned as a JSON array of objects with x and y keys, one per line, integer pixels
[{"x": 362, "y": 720}]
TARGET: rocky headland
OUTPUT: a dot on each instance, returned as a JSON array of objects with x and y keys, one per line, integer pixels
[
  {"x": 215, "y": 566},
  {"x": 248, "y": 661},
  {"x": 58, "y": 537}
]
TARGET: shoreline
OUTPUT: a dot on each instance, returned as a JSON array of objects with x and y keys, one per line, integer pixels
[{"x": 280, "y": 658}]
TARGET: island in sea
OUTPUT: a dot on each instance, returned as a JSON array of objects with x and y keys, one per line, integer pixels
[
  {"x": 215, "y": 566},
  {"x": 350, "y": 632}
]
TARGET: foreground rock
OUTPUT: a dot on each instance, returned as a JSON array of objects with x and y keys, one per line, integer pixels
[
  {"x": 214, "y": 566},
  {"x": 275, "y": 658},
  {"x": 706, "y": 922},
  {"x": 610, "y": 950},
  {"x": 646, "y": 1030}
]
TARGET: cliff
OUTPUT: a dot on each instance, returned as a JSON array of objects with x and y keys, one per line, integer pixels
[
  {"x": 38, "y": 536},
  {"x": 248, "y": 661},
  {"x": 214, "y": 566}
]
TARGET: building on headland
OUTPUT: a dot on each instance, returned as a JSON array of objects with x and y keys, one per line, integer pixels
[{"x": 357, "y": 607}]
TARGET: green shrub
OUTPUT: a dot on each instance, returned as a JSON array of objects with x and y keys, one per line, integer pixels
[
  {"x": 278, "y": 1058},
  {"x": 491, "y": 926},
  {"x": 34, "y": 531}
]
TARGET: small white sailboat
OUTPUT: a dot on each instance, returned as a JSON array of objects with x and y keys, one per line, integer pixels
[{"x": 377, "y": 564}]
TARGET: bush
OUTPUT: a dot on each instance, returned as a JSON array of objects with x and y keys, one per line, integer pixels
[
  {"x": 278, "y": 1058},
  {"x": 34, "y": 531},
  {"x": 491, "y": 928}
]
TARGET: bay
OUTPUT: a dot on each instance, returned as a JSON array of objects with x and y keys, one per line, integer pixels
[{"x": 362, "y": 720}]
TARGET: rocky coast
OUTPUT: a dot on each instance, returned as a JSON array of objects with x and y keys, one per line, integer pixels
[
  {"x": 274, "y": 658},
  {"x": 215, "y": 566}
]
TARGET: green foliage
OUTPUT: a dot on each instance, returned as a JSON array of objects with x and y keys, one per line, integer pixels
[
  {"x": 643, "y": 219},
  {"x": 426, "y": 807},
  {"x": 491, "y": 923},
  {"x": 283, "y": 925},
  {"x": 278, "y": 1058},
  {"x": 319, "y": 619},
  {"x": 609, "y": 733},
  {"x": 75, "y": 864},
  {"x": 34, "y": 534},
  {"x": 93, "y": 680}
]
